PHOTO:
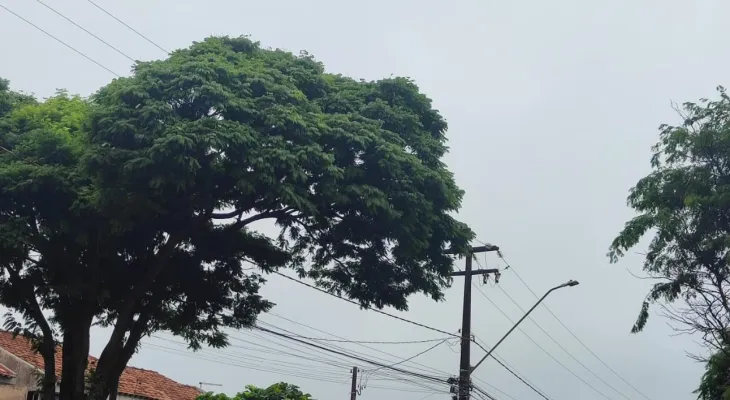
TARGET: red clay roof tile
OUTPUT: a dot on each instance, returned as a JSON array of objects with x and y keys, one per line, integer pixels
[{"x": 134, "y": 381}]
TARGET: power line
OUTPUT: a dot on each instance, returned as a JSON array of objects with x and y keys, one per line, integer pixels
[
  {"x": 542, "y": 348},
  {"x": 415, "y": 374},
  {"x": 370, "y": 373},
  {"x": 414, "y": 356},
  {"x": 523, "y": 380},
  {"x": 503, "y": 363},
  {"x": 494, "y": 387},
  {"x": 350, "y": 352},
  {"x": 269, "y": 350},
  {"x": 370, "y": 309},
  {"x": 529, "y": 385},
  {"x": 426, "y": 367},
  {"x": 585, "y": 346},
  {"x": 321, "y": 375},
  {"x": 403, "y": 319},
  {"x": 484, "y": 393},
  {"x": 86, "y": 30},
  {"x": 224, "y": 361},
  {"x": 432, "y": 392},
  {"x": 563, "y": 348},
  {"x": 60, "y": 41},
  {"x": 372, "y": 341},
  {"x": 409, "y": 359},
  {"x": 129, "y": 27}
]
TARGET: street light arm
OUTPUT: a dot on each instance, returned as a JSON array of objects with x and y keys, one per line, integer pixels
[{"x": 489, "y": 353}]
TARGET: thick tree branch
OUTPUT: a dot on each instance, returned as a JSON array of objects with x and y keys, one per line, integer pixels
[
  {"x": 228, "y": 215},
  {"x": 34, "y": 309},
  {"x": 283, "y": 213},
  {"x": 129, "y": 304}
]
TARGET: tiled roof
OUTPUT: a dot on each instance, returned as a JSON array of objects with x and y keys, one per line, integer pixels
[
  {"x": 134, "y": 381},
  {"x": 6, "y": 372}
]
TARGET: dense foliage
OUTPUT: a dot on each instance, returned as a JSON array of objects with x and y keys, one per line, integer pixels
[
  {"x": 684, "y": 203},
  {"x": 278, "y": 391},
  {"x": 41, "y": 211},
  {"x": 715, "y": 384},
  {"x": 137, "y": 208}
]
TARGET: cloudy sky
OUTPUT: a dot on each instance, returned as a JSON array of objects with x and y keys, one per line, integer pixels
[{"x": 552, "y": 108}]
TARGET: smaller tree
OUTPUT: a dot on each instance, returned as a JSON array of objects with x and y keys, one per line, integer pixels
[
  {"x": 278, "y": 391},
  {"x": 40, "y": 145},
  {"x": 685, "y": 204},
  {"x": 715, "y": 383}
]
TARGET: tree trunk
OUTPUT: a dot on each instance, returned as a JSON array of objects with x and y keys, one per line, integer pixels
[
  {"x": 109, "y": 388},
  {"x": 48, "y": 351},
  {"x": 114, "y": 390},
  {"x": 116, "y": 355},
  {"x": 48, "y": 345},
  {"x": 104, "y": 383},
  {"x": 108, "y": 371},
  {"x": 75, "y": 358}
]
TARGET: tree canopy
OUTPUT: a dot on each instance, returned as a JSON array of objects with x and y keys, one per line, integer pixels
[
  {"x": 278, "y": 391},
  {"x": 138, "y": 207},
  {"x": 41, "y": 183},
  {"x": 685, "y": 204}
]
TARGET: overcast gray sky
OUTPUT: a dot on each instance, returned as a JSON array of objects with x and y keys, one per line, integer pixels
[{"x": 552, "y": 109}]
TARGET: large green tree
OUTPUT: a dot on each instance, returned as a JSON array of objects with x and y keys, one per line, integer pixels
[
  {"x": 684, "y": 204},
  {"x": 180, "y": 164},
  {"x": 277, "y": 391}
]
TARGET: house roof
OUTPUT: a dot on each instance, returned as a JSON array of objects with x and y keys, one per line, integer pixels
[
  {"x": 137, "y": 382},
  {"x": 6, "y": 372}
]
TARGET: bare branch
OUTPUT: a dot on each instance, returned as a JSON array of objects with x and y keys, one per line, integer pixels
[{"x": 659, "y": 278}]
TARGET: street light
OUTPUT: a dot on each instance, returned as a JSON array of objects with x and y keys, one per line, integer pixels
[{"x": 566, "y": 284}]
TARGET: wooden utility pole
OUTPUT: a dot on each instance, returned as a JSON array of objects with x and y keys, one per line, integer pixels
[
  {"x": 465, "y": 364},
  {"x": 353, "y": 393}
]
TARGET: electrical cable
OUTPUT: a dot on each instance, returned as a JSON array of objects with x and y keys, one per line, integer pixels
[
  {"x": 482, "y": 381},
  {"x": 358, "y": 344},
  {"x": 86, "y": 30},
  {"x": 370, "y": 309},
  {"x": 331, "y": 377},
  {"x": 351, "y": 355},
  {"x": 542, "y": 348},
  {"x": 408, "y": 390},
  {"x": 245, "y": 365},
  {"x": 561, "y": 346},
  {"x": 350, "y": 352},
  {"x": 484, "y": 393},
  {"x": 571, "y": 332},
  {"x": 373, "y": 341},
  {"x": 438, "y": 330},
  {"x": 129, "y": 27},
  {"x": 269, "y": 350},
  {"x": 516, "y": 375},
  {"x": 412, "y": 357},
  {"x": 60, "y": 41},
  {"x": 415, "y": 374},
  {"x": 371, "y": 373},
  {"x": 298, "y": 352}
]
